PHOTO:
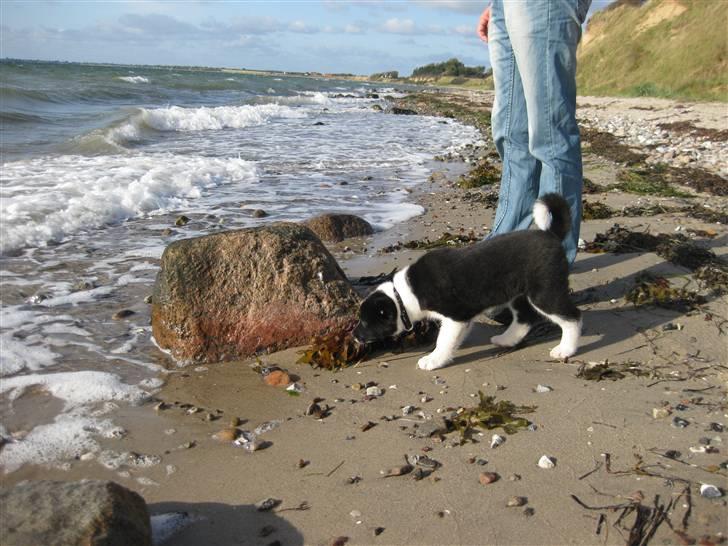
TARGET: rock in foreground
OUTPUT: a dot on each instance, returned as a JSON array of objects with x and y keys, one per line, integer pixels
[
  {"x": 89, "y": 512},
  {"x": 233, "y": 294},
  {"x": 335, "y": 228}
]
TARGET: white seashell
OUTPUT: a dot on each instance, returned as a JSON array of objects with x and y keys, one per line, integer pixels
[
  {"x": 496, "y": 440},
  {"x": 374, "y": 391},
  {"x": 543, "y": 388},
  {"x": 546, "y": 462},
  {"x": 710, "y": 491}
]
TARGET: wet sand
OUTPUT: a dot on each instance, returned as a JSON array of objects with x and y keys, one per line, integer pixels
[{"x": 577, "y": 422}]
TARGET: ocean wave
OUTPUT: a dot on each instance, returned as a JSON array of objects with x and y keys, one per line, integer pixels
[
  {"x": 49, "y": 198},
  {"x": 133, "y": 79}
]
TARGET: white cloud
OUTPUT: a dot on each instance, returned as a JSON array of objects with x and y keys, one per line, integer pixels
[
  {"x": 399, "y": 26},
  {"x": 302, "y": 27}
]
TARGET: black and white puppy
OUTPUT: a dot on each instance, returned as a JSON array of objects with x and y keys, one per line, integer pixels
[{"x": 526, "y": 270}]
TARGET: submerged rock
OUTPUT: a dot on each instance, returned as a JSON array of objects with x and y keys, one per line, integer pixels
[
  {"x": 99, "y": 513},
  {"x": 337, "y": 227},
  {"x": 233, "y": 294}
]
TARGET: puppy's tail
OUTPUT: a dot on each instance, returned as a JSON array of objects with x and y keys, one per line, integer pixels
[{"x": 551, "y": 213}]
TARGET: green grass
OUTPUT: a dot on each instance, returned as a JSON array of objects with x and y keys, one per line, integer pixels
[{"x": 681, "y": 57}]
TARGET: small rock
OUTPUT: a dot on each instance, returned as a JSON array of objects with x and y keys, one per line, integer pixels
[
  {"x": 660, "y": 413},
  {"x": 160, "y": 406},
  {"x": 542, "y": 388},
  {"x": 302, "y": 463},
  {"x": 357, "y": 386},
  {"x": 516, "y": 501},
  {"x": 546, "y": 462},
  {"x": 374, "y": 391},
  {"x": 486, "y": 478},
  {"x": 496, "y": 441},
  {"x": 181, "y": 221},
  {"x": 259, "y": 213},
  {"x": 267, "y": 504},
  {"x": 407, "y": 410},
  {"x": 710, "y": 491},
  {"x": 528, "y": 512},
  {"x": 226, "y": 435},
  {"x": 378, "y": 531},
  {"x": 514, "y": 477},
  {"x": 124, "y": 313},
  {"x": 398, "y": 471},
  {"x": 277, "y": 378},
  {"x": 679, "y": 422},
  {"x": 716, "y": 427},
  {"x": 148, "y": 299},
  {"x": 339, "y": 541},
  {"x": 235, "y": 422}
]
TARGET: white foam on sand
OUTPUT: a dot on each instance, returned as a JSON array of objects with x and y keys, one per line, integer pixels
[{"x": 72, "y": 432}]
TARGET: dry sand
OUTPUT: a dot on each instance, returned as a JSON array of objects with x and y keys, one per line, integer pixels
[{"x": 577, "y": 422}]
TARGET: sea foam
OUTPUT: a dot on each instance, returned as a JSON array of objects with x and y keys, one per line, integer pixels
[{"x": 48, "y": 198}]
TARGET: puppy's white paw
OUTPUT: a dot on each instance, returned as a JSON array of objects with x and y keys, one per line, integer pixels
[
  {"x": 503, "y": 340},
  {"x": 430, "y": 362},
  {"x": 560, "y": 352}
]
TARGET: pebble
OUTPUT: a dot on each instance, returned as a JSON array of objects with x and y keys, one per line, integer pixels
[
  {"x": 374, "y": 391},
  {"x": 124, "y": 313},
  {"x": 181, "y": 221},
  {"x": 546, "y": 462},
  {"x": 397, "y": 471},
  {"x": 486, "y": 478},
  {"x": 516, "y": 501},
  {"x": 259, "y": 213},
  {"x": 226, "y": 435},
  {"x": 267, "y": 504},
  {"x": 679, "y": 422},
  {"x": 514, "y": 477},
  {"x": 496, "y": 440},
  {"x": 277, "y": 378},
  {"x": 543, "y": 388},
  {"x": 528, "y": 512},
  {"x": 160, "y": 406},
  {"x": 407, "y": 410},
  {"x": 710, "y": 491},
  {"x": 89, "y": 455},
  {"x": 660, "y": 413},
  {"x": 235, "y": 422}
]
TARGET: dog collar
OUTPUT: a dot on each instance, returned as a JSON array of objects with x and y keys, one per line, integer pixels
[{"x": 402, "y": 311}]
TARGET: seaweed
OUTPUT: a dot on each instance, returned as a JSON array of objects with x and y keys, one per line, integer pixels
[
  {"x": 595, "y": 210},
  {"x": 446, "y": 239},
  {"x": 489, "y": 414},
  {"x": 609, "y": 146},
  {"x": 652, "y": 289},
  {"x": 589, "y": 187},
  {"x": 613, "y": 372},
  {"x": 489, "y": 199},
  {"x": 648, "y": 180},
  {"x": 483, "y": 174}
]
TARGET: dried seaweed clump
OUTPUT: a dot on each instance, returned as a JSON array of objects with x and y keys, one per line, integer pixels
[
  {"x": 613, "y": 372},
  {"x": 649, "y": 180},
  {"x": 714, "y": 276},
  {"x": 489, "y": 414},
  {"x": 333, "y": 351},
  {"x": 608, "y": 146},
  {"x": 446, "y": 239},
  {"x": 652, "y": 289},
  {"x": 595, "y": 210},
  {"x": 484, "y": 174}
]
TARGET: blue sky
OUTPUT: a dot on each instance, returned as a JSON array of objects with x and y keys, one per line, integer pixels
[{"x": 356, "y": 36}]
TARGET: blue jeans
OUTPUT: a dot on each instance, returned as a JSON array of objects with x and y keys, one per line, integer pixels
[{"x": 532, "y": 47}]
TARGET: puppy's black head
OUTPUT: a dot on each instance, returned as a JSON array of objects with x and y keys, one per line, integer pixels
[{"x": 377, "y": 318}]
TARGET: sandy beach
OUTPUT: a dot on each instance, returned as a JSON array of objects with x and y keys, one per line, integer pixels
[{"x": 649, "y": 435}]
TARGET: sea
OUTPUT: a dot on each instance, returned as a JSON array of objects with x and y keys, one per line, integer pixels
[{"x": 97, "y": 163}]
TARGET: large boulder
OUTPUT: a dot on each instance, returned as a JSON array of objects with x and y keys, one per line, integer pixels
[
  {"x": 231, "y": 295},
  {"x": 88, "y": 513},
  {"x": 337, "y": 227}
]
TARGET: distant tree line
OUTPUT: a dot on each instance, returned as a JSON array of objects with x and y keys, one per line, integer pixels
[
  {"x": 391, "y": 75},
  {"x": 453, "y": 67}
]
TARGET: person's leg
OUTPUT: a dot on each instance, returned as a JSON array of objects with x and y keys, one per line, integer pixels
[
  {"x": 521, "y": 170},
  {"x": 544, "y": 36}
]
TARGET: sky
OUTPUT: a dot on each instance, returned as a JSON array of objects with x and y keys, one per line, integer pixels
[{"x": 339, "y": 36}]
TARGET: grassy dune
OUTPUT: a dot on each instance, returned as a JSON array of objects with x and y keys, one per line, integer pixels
[{"x": 666, "y": 48}]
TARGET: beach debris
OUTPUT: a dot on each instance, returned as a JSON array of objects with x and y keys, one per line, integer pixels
[
  {"x": 447, "y": 239},
  {"x": 374, "y": 391},
  {"x": 710, "y": 491},
  {"x": 660, "y": 413},
  {"x": 249, "y": 441},
  {"x": 193, "y": 410},
  {"x": 489, "y": 414},
  {"x": 679, "y": 422},
  {"x": 486, "y": 478},
  {"x": 267, "y": 427},
  {"x": 496, "y": 440},
  {"x": 484, "y": 173},
  {"x": 181, "y": 220},
  {"x": 650, "y": 289},
  {"x": 316, "y": 411},
  {"x": 599, "y": 371},
  {"x": 397, "y": 471},
  {"x": 226, "y": 435},
  {"x": 715, "y": 427},
  {"x": 407, "y": 410},
  {"x": 333, "y": 351},
  {"x": 596, "y": 210},
  {"x": 543, "y": 388},
  {"x": 516, "y": 502},
  {"x": 546, "y": 462},
  {"x": 267, "y": 504},
  {"x": 368, "y": 425},
  {"x": 423, "y": 461},
  {"x": 277, "y": 378},
  {"x": 294, "y": 389}
]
